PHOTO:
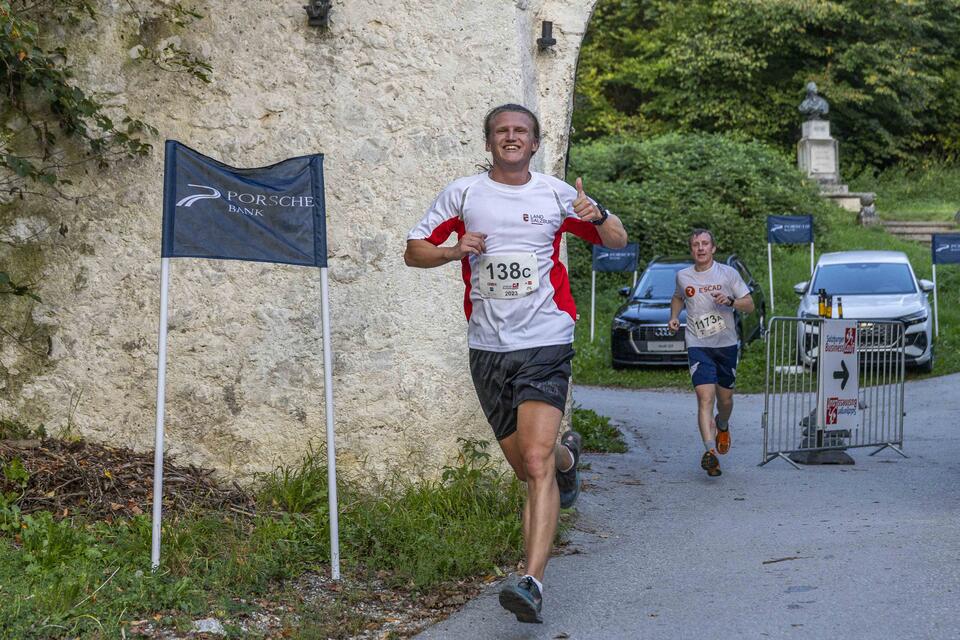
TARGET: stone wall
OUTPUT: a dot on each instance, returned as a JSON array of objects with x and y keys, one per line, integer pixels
[{"x": 394, "y": 94}]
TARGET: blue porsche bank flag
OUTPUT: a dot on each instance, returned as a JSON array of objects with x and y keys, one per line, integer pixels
[
  {"x": 945, "y": 248},
  {"x": 624, "y": 259},
  {"x": 789, "y": 229},
  {"x": 265, "y": 214}
]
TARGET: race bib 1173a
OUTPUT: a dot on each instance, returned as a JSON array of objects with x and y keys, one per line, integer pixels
[
  {"x": 706, "y": 325},
  {"x": 508, "y": 275}
]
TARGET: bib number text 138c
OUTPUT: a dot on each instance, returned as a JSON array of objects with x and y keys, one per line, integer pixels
[
  {"x": 512, "y": 271},
  {"x": 508, "y": 276}
]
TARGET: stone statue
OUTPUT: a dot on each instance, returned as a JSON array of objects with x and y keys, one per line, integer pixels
[
  {"x": 813, "y": 106},
  {"x": 868, "y": 210}
]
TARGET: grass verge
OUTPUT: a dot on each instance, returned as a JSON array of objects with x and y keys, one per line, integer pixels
[
  {"x": 927, "y": 194},
  {"x": 599, "y": 436},
  {"x": 791, "y": 265},
  {"x": 79, "y": 577}
]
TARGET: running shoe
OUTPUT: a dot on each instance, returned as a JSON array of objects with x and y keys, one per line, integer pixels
[
  {"x": 569, "y": 481},
  {"x": 710, "y": 464},
  {"x": 723, "y": 437},
  {"x": 522, "y": 598}
]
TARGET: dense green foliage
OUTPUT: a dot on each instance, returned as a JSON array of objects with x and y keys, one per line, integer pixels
[
  {"x": 72, "y": 577},
  {"x": 665, "y": 186},
  {"x": 889, "y": 68}
]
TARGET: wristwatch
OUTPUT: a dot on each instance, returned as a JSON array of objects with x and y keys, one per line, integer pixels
[{"x": 604, "y": 214}]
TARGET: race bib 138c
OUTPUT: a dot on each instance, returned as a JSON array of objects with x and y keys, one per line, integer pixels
[{"x": 508, "y": 275}]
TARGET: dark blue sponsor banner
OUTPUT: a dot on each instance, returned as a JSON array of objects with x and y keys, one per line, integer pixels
[
  {"x": 266, "y": 214},
  {"x": 789, "y": 229},
  {"x": 945, "y": 248},
  {"x": 616, "y": 259}
]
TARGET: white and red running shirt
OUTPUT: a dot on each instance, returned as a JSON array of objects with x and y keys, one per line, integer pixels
[
  {"x": 518, "y": 221},
  {"x": 710, "y": 324}
]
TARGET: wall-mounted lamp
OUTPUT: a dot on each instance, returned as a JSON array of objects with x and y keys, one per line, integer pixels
[
  {"x": 318, "y": 13},
  {"x": 546, "y": 39}
]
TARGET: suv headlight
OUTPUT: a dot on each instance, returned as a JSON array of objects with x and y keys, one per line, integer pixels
[
  {"x": 807, "y": 314},
  {"x": 915, "y": 318},
  {"x": 622, "y": 325}
]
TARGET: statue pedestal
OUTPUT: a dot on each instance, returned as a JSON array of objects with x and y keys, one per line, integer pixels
[{"x": 818, "y": 156}]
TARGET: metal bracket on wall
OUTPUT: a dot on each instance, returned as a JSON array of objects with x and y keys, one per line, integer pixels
[
  {"x": 546, "y": 39},
  {"x": 318, "y": 13}
]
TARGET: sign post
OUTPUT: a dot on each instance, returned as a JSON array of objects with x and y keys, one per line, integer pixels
[
  {"x": 610, "y": 260},
  {"x": 838, "y": 391},
  {"x": 944, "y": 249},
  {"x": 265, "y": 214},
  {"x": 787, "y": 230}
]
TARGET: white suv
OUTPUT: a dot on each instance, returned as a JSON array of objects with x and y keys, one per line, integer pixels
[{"x": 874, "y": 285}]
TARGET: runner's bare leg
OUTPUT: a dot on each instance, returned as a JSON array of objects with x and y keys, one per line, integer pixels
[
  {"x": 724, "y": 403},
  {"x": 706, "y": 396},
  {"x": 537, "y": 426}
]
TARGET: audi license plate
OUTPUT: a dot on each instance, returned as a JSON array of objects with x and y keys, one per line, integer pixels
[{"x": 666, "y": 346}]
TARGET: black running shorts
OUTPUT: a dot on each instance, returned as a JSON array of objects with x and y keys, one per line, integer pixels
[{"x": 505, "y": 379}]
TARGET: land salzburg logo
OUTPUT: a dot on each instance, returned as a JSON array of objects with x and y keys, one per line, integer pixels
[
  {"x": 535, "y": 218},
  {"x": 235, "y": 199}
]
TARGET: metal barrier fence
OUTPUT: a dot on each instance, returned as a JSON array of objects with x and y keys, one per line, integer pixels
[{"x": 791, "y": 416}]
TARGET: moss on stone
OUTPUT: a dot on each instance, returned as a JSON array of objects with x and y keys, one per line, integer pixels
[{"x": 24, "y": 343}]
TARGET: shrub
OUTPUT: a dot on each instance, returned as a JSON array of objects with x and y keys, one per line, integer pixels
[{"x": 665, "y": 186}]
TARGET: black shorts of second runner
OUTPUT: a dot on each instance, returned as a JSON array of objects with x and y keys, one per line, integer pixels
[
  {"x": 503, "y": 380},
  {"x": 713, "y": 365}
]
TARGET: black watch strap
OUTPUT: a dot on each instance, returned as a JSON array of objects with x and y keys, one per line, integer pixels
[{"x": 604, "y": 214}]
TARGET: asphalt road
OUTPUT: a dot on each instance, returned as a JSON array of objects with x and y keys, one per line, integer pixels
[{"x": 660, "y": 550}]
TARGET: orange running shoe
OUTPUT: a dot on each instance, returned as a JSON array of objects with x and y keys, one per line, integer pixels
[
  {"x": 723, "y": 439},
  {"x": 710, "y": 464}
]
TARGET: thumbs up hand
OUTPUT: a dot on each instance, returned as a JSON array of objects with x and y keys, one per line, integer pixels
[{"x": 583, "y": 207}]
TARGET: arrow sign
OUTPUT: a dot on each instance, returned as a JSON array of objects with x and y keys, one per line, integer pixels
[{"x": 843, "y": 375}]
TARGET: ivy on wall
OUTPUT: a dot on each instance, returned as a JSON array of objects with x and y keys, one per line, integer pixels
[{"x": 51, "y": 123}]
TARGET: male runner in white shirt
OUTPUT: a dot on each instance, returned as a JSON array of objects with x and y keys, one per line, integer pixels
[
  {"x": 520, "y": 314},
  {"x": 711, "y": 291}
]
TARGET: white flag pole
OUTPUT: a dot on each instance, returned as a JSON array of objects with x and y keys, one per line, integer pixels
[
  {"x": 770, "y": 271},
  {"x": 328, "y": 410},
  {"x": 158, "y": 444},
  {"x": 936, "y": 315},
  {"x": 593, "y": 300},
  {"x": 634, "y": 280},
  {"x": 811, "y": 258}
]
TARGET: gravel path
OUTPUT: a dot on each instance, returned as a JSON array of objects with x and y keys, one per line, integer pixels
[{"x": 662, "y": 551}]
